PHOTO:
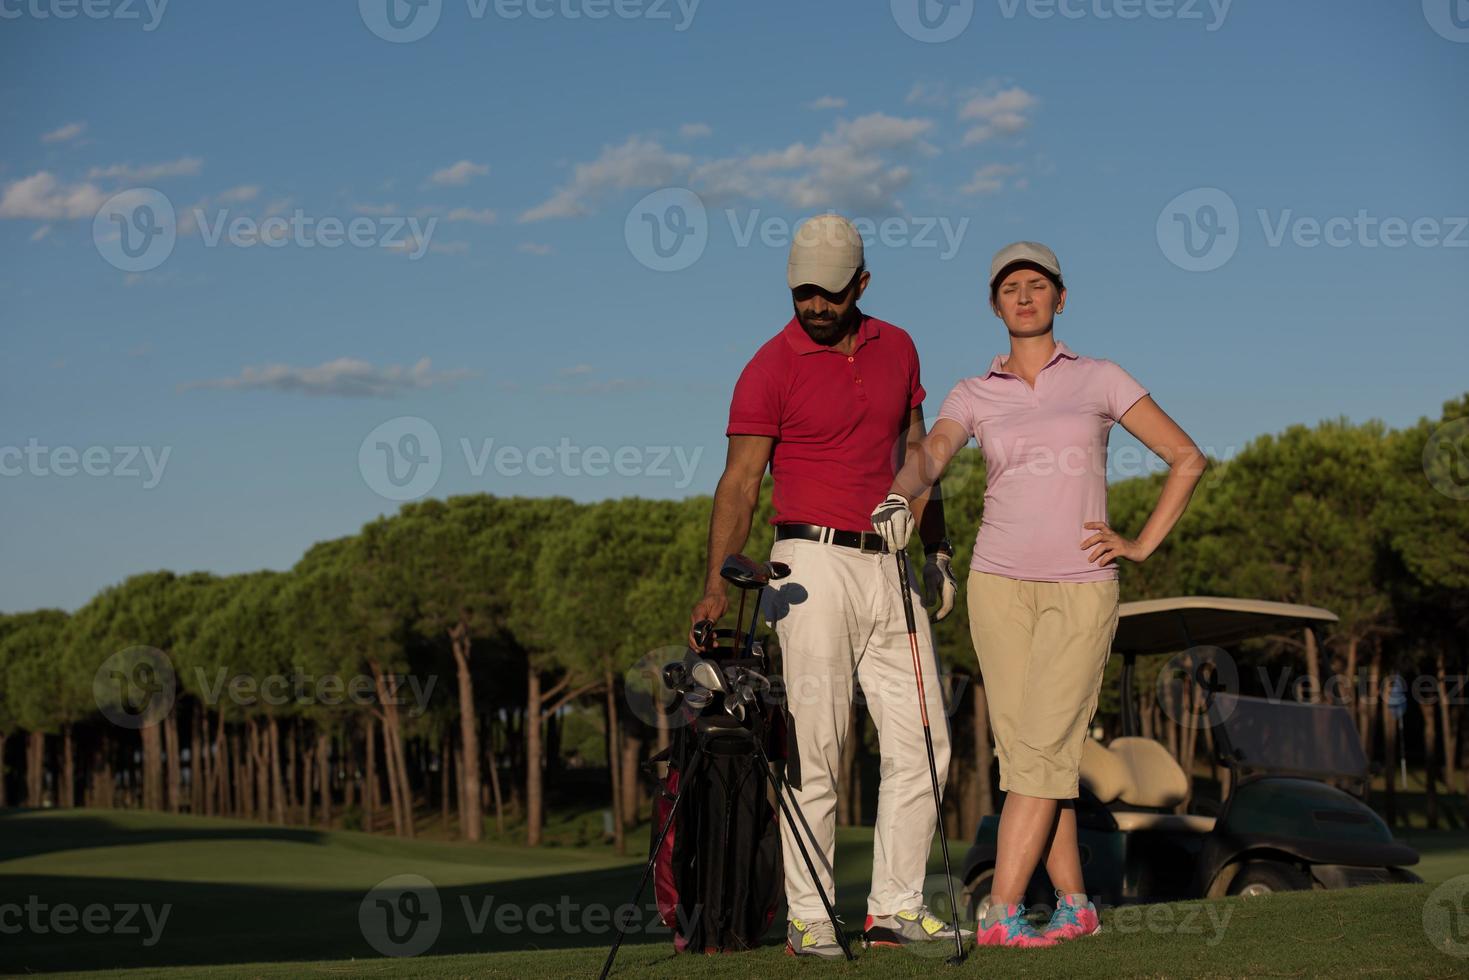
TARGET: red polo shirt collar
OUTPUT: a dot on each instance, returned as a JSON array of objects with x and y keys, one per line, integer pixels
[
  {"x": 1061, "y": 351},
  {"x": 801, "y": 342}
]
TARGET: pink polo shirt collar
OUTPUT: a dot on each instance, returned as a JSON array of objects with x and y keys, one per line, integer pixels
[
  {"x": 801, "y": 342},
  {"x": 1061, "y": 351}
]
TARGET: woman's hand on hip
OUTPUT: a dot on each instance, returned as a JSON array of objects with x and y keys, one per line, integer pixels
[{"x": 1108, "y": 545}]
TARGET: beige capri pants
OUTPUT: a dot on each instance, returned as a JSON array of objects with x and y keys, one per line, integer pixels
[{"x": 1042, "y": 647}]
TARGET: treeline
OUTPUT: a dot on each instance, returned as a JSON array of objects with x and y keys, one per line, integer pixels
[{"x": 428, "y": 662}]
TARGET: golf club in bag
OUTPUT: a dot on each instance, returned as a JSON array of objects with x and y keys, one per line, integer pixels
[{"x": 715, "y": 857}]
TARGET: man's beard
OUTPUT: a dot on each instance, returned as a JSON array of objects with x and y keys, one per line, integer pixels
[{"x": 828, "y": 331}]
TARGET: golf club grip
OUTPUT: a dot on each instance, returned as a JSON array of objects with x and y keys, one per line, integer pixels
[{"x": 906, "y": 583}]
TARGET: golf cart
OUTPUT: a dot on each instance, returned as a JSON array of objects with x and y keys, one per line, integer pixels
[{"x": 1294, "y": 815}]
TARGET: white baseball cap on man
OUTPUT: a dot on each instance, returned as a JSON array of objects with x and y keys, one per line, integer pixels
[
  {"x": 1024, "y": 252},
  {"x": 826, "y": 252}
]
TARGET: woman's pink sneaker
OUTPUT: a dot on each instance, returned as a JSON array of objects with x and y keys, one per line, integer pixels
[
  {"x": 1009, "y": 929},
  {"x": 1075, "y": 916}
]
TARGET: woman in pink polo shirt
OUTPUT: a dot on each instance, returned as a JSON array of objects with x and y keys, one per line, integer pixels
[{"x": 1043, "y": 579}]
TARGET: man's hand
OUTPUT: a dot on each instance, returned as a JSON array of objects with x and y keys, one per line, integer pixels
[
  {"x": 712, "y": 607},
  {"x": 939, "y": 584},
  {"x": 893, "y": 520}
]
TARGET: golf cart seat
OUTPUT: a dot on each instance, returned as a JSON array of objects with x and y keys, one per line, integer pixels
[{"x": 1139, "y": 772}]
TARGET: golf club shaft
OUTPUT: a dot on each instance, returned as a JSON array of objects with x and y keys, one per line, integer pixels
[
  {"x": 933, "y": 772},
  {"x": 739, "y": 618}
]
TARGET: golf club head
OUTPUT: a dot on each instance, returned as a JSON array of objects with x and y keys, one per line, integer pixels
[
  {"x": 744, "y": 573},
  {"x": 698, "y": 698},
  {"x": 675, "y": 675},
  {"x": 704, "y": 634},
  {"x": 706, "y": 674},
  {"x": 777, "y": 570}
]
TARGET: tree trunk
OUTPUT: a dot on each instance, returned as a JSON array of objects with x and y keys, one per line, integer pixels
[
  {"x": 534, "y": 771},
  {"x": 173, "y": 760},
  {"x": 398, "y": 784},
  {"x": 983, "y": 751},
  {"x": 370, "y": 798},
  {"x": 198, "y": 763},
  {"x": 277, "y": 783},
  {"x": 1374, "y": 706},
  {"x": 1430, "y": 764},
  {"x": 1446, "y": 723},
  {"x": 1349, "y": 689},
  {"x": 308, "y": 782},
  {"x": 446, "y": 762},
  {"x": 260, "y": 748},
  {"x": 66, "y": 794},
  {"x": 152, "y": 768},
  {"x": 292, "y": 767},
  {"x": 1313, "y": 664},
  {"x": 1390, "y": 770},
  {"x": 492, "y": 763},
  {"x": 324, "y": 776},
  {"x": 632, "y": 786},
  {"x": 4, "y": 800},
  {"x": 614, "y": 760},
  {"x": 35, "y": 769},
  {"x": 471, "y": 817}
]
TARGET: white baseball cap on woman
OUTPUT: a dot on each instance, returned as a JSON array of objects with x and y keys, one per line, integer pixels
[{"x": 1024, "y": 252}]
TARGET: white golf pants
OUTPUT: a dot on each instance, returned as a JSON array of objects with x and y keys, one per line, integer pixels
[{"x": 839, "y": 617}]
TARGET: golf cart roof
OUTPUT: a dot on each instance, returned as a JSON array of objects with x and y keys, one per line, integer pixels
[{"x": 1174, "y": 624}]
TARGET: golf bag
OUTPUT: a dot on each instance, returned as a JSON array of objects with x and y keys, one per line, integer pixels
[{"x": 717, "y": 876}]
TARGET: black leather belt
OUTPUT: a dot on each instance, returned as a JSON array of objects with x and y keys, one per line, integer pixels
[{"x": 861, "y": 540}]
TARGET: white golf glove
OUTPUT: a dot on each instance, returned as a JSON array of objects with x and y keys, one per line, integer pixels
[
  {"x": 893, "y": 521},
  {"x": 939, "y": 584}
]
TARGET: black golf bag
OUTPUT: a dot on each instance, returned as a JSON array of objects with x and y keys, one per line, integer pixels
[{"x": 717, "y": 877}]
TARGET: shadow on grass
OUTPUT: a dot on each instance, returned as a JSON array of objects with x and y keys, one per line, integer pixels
[{"x": 26, "y": 833}]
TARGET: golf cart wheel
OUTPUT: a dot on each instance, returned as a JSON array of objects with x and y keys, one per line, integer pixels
[
  {"x": 977, "y": 893},
  {"x": 1267, "y": 877}
]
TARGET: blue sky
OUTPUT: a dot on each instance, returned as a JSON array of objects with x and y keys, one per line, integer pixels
[{"x": 539, "y": 316}]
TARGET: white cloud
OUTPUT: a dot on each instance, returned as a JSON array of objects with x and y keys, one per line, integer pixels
[
  {"x": 694, "y": 131},
  {"x": 847, "y": 167},
  {"x": 635, "y": 163},
  {"x": 459, "y": 174},
  {"x": 447, "y": 248},
  {"x": 534, "y": 248},
  {"x": 41, "y": 196},
  {"x": 40, "y": 233},
  {"x": 483, "y": 217},
  {"x": 68, "y": 132},
  {"x": 239, "y": 195},
  {"x": 827, "y": 102},
  {"x": 377, "y": 210},
  {"x": 576, "y": 370},
  {"x": 182, "y": 167},
  {"x": 990, "y": 179},
  {"x": 1000, "y": 113},
  {"x": 346, "y": 377}
]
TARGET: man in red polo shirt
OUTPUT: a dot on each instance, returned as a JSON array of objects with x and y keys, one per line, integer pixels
[{"x": 831, "y": 404}]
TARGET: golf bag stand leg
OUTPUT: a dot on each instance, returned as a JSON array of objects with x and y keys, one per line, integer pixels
[
  {"x": 785, "y": 812},
  {"x": 685, "y": 779}
]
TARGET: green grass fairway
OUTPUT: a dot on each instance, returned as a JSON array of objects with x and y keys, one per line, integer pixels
[{"x": 248, "y": 900}]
